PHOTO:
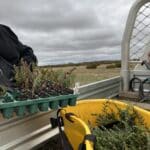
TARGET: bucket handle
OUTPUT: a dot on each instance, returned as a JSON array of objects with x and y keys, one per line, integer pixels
[{"x": 68, "y": 116}]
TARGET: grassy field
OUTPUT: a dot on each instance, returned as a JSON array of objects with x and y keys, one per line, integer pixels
[
  {"x": 103, "y": 70},
  {"x": 85, "y": 76}
]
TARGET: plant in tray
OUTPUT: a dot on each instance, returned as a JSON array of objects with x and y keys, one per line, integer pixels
[
  {"x": 3, "y": 90},
  {"x": 124, "y": 131},
  {"x": 4, "y": 95},
  {"x": 41, "y": 82}
]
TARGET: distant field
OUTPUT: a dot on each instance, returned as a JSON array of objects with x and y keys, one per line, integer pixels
[
  {"x": 85, "y": 76},
  {"x": 96, "y": 71}
]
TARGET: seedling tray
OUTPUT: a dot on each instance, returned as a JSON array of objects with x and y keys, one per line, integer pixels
[{"x": 32, "y": 106}]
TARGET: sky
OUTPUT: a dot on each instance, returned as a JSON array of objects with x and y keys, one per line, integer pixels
[{"x": 65, "y": 31}]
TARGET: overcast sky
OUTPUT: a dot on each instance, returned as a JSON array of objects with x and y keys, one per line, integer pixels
[{"x": 62, "y": 31}]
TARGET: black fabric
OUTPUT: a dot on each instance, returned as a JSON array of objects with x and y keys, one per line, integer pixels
[{"x": 11, "y": 52}]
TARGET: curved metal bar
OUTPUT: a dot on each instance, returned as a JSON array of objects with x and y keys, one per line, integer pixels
[{"x": 125, "y": 73}]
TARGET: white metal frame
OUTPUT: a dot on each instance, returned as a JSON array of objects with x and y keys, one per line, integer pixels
[{"x": 125, "y": 72}]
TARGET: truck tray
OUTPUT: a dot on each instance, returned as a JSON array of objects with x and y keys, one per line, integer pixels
[{"x": 32, "y": 106}]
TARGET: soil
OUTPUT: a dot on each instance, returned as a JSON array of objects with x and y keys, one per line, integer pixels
[{"x": 47, "y": 89}]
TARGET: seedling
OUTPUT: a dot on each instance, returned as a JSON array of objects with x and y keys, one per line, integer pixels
[
  {"x": 42, "y": 82},
  {"x": 3, "y": 90},
  {"x": 124, "y": 131}
]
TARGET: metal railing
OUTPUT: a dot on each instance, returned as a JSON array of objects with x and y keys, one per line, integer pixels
[{"x": 101, "y": 89}]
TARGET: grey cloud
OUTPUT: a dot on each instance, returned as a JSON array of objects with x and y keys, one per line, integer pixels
[
  {"x": 57, "y": 28},
  {"x": 74, "y": 40},
  {"x": 50, "y": 15}
]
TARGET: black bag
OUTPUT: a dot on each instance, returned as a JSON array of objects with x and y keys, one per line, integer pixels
[{"x": 11, "y": 52}]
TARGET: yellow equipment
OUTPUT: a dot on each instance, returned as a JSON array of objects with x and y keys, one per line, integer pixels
[{"x": 76, "y": 119}]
